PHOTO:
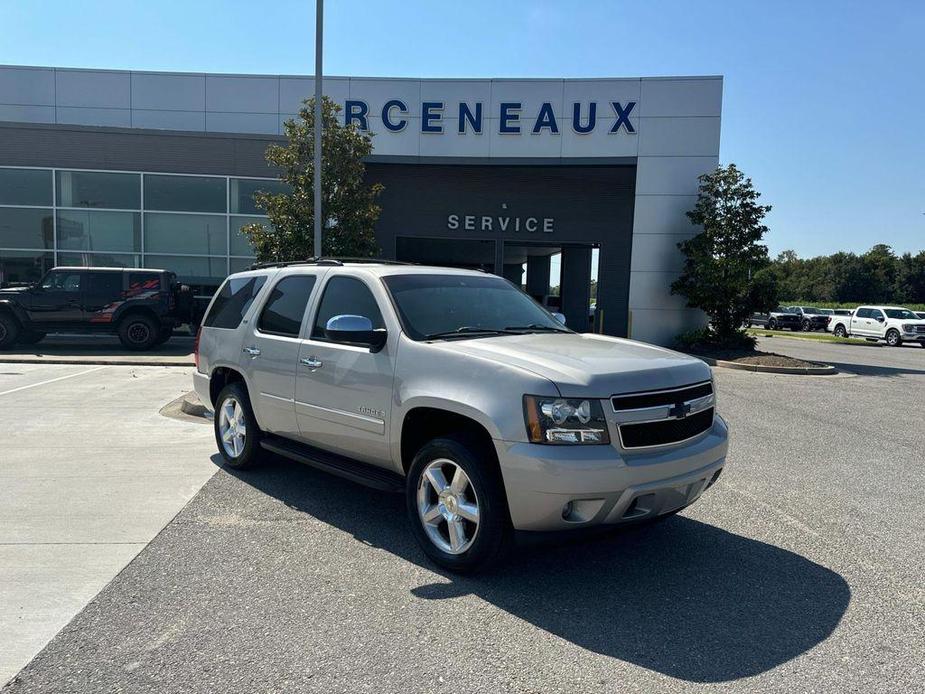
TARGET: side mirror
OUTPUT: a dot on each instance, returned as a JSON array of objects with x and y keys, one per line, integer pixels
[
  {"x": 559, "y": 317},
  {"x": 355, "y": 330}
]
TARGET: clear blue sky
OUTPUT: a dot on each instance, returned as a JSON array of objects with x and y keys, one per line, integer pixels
[{"x": 824, "y": 103}]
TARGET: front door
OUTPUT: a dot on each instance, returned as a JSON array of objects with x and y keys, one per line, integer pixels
[
  {"x": 57, "y": 300},
  {"x": 344, "y": 392},
  {"x": 270, "y": 353},
  {"x": 877, "y": 323}
]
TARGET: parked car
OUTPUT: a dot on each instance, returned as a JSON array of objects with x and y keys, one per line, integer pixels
[
  {"x": 893, "y": 324},
  {"x": 460, "y": 391},
  {"x": 811, "y": 318},
  {"x": 779, "y": 319},
  {"x": 140, "y": 305}
]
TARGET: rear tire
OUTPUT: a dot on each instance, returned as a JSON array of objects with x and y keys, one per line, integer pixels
[
  {"x": 893, "y": 338},
  {"x": 9, "y": 330},
  {"x": 163, "y": 336},
  {"x": 840, "y": 331},
  {"x": 460, "y": 521},
  {"x": 138, "y": 332},
  {"x": 236, "y": 432}
]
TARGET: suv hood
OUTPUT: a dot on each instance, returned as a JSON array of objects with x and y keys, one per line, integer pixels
[{"x": 588, "y": 365}]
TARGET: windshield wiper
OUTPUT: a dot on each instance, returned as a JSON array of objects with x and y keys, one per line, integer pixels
[
  {"x": 536, "y": 327},
  {"x": 467, "y": 331}
]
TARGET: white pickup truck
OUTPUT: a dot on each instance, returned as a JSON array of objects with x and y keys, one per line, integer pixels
[{"x": 891, "y": 323}]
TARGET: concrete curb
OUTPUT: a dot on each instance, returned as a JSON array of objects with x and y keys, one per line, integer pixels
[
  {"x": 92, "y": 361},
  {"x": 825, "y": 370},
  {"x": 191, "y": 405}
]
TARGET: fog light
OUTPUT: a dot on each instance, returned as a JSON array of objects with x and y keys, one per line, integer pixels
[{"x": 567, "y": 510}]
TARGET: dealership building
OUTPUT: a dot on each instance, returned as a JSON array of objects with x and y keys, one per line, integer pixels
[{"x": 103, "y": 167}]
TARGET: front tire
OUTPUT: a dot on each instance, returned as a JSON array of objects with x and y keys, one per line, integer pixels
[
  {"x": 9, "y": 331},
  {"x": 893, "y": 338},
  {"x": 772, "y": 324},
  {"x": 806, "y": 325},
  {"x": 456, "y": 504},
  {"x": 236, "y": 432},
  {"x": 138, "y": 332}
]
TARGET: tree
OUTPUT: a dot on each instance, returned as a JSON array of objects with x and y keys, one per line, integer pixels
[
  {"x": 721, "y": 271},
  {"x": 347, "y": 201}
]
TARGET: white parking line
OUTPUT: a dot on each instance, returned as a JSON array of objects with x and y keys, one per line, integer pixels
[{"x": 52, "y": 380}]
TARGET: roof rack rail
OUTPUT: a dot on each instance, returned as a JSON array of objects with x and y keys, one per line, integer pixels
[{"x": 336, "y": 261}]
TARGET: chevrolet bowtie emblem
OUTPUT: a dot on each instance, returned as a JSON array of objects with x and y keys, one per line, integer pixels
[{"x": 680, "y": 410}]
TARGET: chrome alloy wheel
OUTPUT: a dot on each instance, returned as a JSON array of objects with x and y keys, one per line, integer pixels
[
  {"x": 232, "y": 427},
  {"x": 448, "y": 506}
]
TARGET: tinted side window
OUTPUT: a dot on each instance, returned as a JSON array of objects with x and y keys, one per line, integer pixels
[
  {"x": 140, "y": 283},
  {"x": 875, "y": 313},
  {"x": 105, "y": 283},
  {"x": 285, "y": 307},
  {"x": 346, "y": 296},
  {"x": 232, "y": 301},
  {"x": 62, "y": 281},
  {"x": 863, "y": 313}
]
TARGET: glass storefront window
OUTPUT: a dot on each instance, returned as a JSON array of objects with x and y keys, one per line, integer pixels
[
  {"x": 99, "y": 259},
  {"x": 24, "y": 267},
  {"x": 240, "y": 244},
  {"x": 185, "y": 193},
  {"x": 99, "y": 231},
  {"x": 243, "y": 189},
  {"x": 190, "y": 270},
  {"x": 26, "y": 227},
  {"x": 117, "y": 191},
  {"x": 25, "y": 187},
  {"x": 197, "y": 234}
]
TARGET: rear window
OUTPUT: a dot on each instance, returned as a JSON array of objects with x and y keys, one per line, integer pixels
[{"x": 232, "y": 301}]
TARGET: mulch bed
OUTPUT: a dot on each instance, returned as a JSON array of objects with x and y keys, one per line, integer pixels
[{"x": 751, "y": 356}]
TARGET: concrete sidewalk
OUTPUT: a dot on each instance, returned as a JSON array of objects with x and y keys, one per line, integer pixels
[
  {"x": 89, "y": 474},
  {"x": 99, "y": 350}
]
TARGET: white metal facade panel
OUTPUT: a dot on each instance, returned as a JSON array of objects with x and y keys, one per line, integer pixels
[
  {"x": 236, "y": 94},
  {"x": 93, "y": 89},
  {"x": 27, "y": 86},
  {"x": 168, "y": 92}
]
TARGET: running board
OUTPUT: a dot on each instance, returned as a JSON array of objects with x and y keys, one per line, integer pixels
[{"x": 342, "y": 466}]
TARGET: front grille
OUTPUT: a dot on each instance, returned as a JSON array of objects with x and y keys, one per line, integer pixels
[
  {"x": 665, "y": 431},
  {"x": 667, "y": 397}
]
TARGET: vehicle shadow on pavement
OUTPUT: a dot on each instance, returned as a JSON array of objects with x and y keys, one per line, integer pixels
[{"x": 682, "y": 597}]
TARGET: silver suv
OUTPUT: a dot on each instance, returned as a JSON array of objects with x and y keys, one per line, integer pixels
[{"x": 457, "y": 389}]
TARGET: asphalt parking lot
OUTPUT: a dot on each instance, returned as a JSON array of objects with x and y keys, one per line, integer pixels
[{"x": 801, "y": 570}]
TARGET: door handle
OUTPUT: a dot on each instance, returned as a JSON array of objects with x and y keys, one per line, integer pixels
[
  {"x": 253, "y": 351},
  {"x": 312, "y": 362}
]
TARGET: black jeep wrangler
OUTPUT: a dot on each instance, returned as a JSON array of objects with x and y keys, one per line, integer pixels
[{"x": 141, "y": 306}]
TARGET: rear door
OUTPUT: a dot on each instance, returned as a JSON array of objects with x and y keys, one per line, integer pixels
[
  {"x": 344, "y": 392},
  {"x": 103, "y": 294},
  {"x": 860, "y": 322},
  {"x": 270, "y": 351},
  {"x": 57, "y": 301}
]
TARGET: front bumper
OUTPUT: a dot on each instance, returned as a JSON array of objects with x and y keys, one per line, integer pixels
[{"x": 603, "y": 484}]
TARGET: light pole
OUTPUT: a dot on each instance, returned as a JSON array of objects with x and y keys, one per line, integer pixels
[{"x": 319, "y": 28}]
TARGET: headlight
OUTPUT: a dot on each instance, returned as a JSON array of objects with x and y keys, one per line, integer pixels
[
  {"x": 564, "y": 421},
  {"x": 908, "y": 328}
]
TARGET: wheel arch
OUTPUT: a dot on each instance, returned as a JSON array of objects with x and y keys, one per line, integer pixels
[
  {"x": 15, "y": 311},
  {"x": 425, "y": 422}
]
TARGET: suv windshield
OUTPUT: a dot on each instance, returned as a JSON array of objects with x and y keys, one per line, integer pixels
[
  {"x": 902, "y": 313},
  {"x": 433, "y": 306}
]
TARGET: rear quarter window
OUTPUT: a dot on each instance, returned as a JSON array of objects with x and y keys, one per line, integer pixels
[
  {"x": 141, "y": 284},
  {"x": 232, "y": 301}
]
